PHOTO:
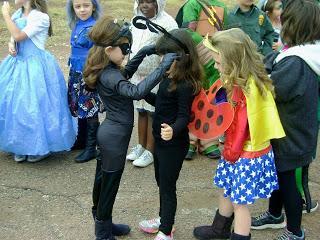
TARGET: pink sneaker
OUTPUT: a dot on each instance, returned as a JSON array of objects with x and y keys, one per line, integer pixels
[
  {"x": 150, "y": 226},
  {"x": 162, "y": 236}
]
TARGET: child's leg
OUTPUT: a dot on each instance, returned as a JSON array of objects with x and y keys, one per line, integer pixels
[
  {"x": 170, "y": 159},
  {"x": 221, "y": 225},
  {"x": 192, "y": 146},
  {"x": 292, "y": 201},
  {"x": 226, "y": 208},
  {"x": 276, "y": 204},
  {"x": 142, "y": 128},
  {"x": 150, "y": 139},
  {"x": 96, "y": 189},
  {"x": 242, "y": 220}
]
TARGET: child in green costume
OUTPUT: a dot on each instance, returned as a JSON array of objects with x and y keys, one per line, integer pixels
[{"x": 203, "y": 17}]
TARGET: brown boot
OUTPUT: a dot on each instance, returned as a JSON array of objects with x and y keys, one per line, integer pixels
[{"x": 220, "y": 228}]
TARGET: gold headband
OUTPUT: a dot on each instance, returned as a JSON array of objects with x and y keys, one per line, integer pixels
[{"x": 207, "y": 44}]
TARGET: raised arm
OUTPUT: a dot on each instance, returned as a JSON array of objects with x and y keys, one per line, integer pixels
[
  {"x": 134, "y": 63},
  {"x": 125, "y": 88},
  {"x": 15, "y": 32}
]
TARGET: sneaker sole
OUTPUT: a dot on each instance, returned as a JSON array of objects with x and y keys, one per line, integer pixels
[
  {"x": 148, "y": 230},
  {"x": 152, "y": 230},
  {"x": 272, "y": 226},
  {"x": 312, "y": 209}
]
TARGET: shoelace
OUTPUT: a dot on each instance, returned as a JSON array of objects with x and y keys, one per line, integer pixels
[
  {"x": 285, "y": 235},
  {"x": 263, "y": 215},
  {"x": 145, "y": 156},
  {"x": 153, "y": 221}
]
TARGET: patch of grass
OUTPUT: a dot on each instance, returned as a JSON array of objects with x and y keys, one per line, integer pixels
[{"x": 59, "y": 42}]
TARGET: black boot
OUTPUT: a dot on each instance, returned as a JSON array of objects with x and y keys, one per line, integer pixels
[
  {"x": 117, "y": 229},
  {"x": 103, "y": 230},
  {"x": 80, "y": 142},
  {"x": 235, "y": 236},
  {"x": 220, "y": 228},
  {"x": 90, "y": 152}
]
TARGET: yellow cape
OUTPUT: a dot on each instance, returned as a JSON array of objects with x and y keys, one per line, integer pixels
[{"x": 263, "y": 118}]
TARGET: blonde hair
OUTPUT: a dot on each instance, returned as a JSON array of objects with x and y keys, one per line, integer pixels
[{"x": 240, "y": 60}]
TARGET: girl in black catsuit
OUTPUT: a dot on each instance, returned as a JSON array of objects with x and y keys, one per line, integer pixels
[
  {"x": 170, "y": 125},
  {"x": 112, "y": 42}
]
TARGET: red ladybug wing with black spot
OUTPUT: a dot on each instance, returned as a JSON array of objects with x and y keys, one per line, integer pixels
[{"x": 210, "y": 120}]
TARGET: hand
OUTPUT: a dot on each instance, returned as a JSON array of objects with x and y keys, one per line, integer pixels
[
  {"x": 166, "y": 132},
  {"x": 6, "y": 9},
  {"x": 205, "y": 54},
  {"x": 12, "y": 49},
  {"x": 148, "y": 50},
  {"x": 168, "y": 59},
  {"x": 276, "y": 46}
]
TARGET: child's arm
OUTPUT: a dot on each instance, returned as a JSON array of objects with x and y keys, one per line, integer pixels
[
  {"x": 237, "y": 134},
  {"x": 151, "y": 98},
  {"x": 137, "y": 92},
  {"x": 267, "y": 37},
  {"x": 185, "y": 98},
  {"x": 12, "y": 47},
  {"x": 134, "y": 63},
  {"x": 15, "y": 32},
  {"x": 286, "y": 76}
]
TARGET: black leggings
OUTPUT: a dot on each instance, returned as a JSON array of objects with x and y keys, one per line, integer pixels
[
  {"x": 105, "y": 190},
  {"x": 289, "y": 197},
  {"x": 168, "y": 162}
]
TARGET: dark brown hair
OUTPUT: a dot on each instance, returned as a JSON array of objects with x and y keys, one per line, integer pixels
[
  {"x": 102, "y": 34},
  {"x": 187, "y": 68},
  {"x": 270, "y": 5},
  {"x": 41, "y": 5},
  {"x": 300, "y": 22}
]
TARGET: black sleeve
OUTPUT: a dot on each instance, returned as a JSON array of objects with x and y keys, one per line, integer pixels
[
  {"x": 133, "y": 65},
  {"x": 286, "y": 76},
  {"x": 185, "y": 98},
  {"x": 137, "y": 92},
  {"x": 151, "y": 98},
  {"x": 267, "y": 37}
]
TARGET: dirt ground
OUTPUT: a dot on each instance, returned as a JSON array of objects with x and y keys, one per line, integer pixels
[{"x": 51, "y": 200}]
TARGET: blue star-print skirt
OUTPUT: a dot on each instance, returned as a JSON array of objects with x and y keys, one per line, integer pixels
[{"x": 248, "y": 179}]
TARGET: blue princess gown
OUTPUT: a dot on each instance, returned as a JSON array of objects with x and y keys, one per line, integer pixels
[{"x": 34, "y": 114}]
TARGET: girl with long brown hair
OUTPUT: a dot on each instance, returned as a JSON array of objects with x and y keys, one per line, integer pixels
[
  {"x": 112, "y": 41},
  {"x": 170, "y": 125}
]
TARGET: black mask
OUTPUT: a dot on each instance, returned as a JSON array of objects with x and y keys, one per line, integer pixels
[{"x": 125, "y": 48}]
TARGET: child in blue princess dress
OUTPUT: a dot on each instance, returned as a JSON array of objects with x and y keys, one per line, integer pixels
[
  {"x": 85, "y": 105},
  {"x": 34, "y": 115}
]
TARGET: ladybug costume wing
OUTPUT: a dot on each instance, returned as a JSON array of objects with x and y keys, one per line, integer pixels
[{"x": 210, "y": 118}]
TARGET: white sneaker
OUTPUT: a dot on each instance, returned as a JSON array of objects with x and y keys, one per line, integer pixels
[
  {"x": 150, "y": 226},
  {"x": 162, "y": 236},
  {"x": 144, "y": 160},
  {"x": 135, "y": 153},
  {"x": 37, "y": 158},
  {"x": 20, "y": 158}
]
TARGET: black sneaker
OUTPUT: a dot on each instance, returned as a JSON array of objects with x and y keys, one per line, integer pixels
[
  {"x": 314, "y": 206},
  {"x": 266, "y": 220}
]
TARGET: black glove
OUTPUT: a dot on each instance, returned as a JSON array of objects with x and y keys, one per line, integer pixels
[
  {"x": 168, "y": 60},
  {"x": 147, "y": 50}
]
